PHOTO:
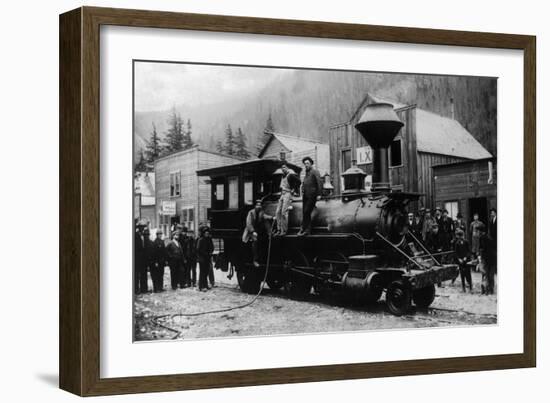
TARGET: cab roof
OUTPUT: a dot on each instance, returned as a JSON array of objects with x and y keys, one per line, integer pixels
[{"x": 258, "y": 167}]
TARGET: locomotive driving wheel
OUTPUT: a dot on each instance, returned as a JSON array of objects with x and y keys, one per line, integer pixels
[
  {"x": 249, "y": 280},
  {"x": 424, "y": 297},
  {"x": 398, "y": 297},
  {"x": 297, "y": 285}
]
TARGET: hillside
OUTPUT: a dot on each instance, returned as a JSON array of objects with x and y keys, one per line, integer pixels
[{"x": 306, "y": 103}]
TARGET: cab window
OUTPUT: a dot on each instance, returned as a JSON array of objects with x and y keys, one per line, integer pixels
[{"x": 233, "y": 188}]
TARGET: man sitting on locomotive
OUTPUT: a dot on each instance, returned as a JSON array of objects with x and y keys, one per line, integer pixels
[
  {"x": 289, "y": 183},
  {"x": 257, "y": 226},
  {"x": 312, "y": 188}
]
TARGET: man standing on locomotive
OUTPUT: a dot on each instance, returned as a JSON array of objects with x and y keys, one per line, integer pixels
[
  {"x": 289, "y": 182},
  {"x": 257, "y": 226},
  {"x": 312, "y": 188}
]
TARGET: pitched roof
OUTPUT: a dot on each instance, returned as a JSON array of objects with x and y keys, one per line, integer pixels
[
  {"x": 292, "y": 143},
  {"x": 437, "y": 134},
  {"x": 441, "y": 135}
]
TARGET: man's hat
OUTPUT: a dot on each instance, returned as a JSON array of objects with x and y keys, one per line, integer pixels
[
  {"x": 438, "y": 208},
  {"x": 159, "y": 231},
  {"x": 435, "y": 225},
  {"x": 307, "y": 159},
  {"x": 459, "y": 231},
  {"x": 179, "y": 226},
  {"x": 459, "y": 215},
  {"x": 142, "y": 223}
]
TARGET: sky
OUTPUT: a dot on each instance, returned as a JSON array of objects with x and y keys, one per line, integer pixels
[{"x": 159, "y": 86}]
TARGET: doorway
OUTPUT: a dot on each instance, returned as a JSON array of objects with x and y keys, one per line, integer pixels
[{"x": 478, "y": 205}]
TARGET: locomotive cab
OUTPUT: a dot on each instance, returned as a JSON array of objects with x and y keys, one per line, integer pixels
[{"x": 234, "y": 189}]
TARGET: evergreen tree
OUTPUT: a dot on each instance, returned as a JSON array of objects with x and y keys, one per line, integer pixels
[
  {"x": 229, "y": 146},
  {"x": 269, "y": 127},
  {"x": 219, "y": 147},
  {"x": 240, "y": 145},
  {"x": 141, "y": 164},
  {"x": 174, "y": 140},
  {"x": 153, "y": 148},
  {"x": 187, "y": 140}
]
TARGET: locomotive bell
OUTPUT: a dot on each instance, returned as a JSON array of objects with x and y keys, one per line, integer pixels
[{"x": 379, "y": 125}]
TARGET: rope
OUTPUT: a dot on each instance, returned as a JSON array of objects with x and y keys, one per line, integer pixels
[{"x": 155, "y": 319}]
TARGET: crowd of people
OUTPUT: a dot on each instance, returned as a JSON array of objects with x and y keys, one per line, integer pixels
[
  {"x": 473, "y": 246},
  {"x": 180, "y": 253}
]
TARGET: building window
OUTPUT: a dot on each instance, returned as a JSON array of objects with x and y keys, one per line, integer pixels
[
  {"x": 219, "y": 191},
  {"x": 346, "y": 160},
  {"x": 248, "y": 192},
  {"x": 395, "y": 154},
  {"x": 188, "y": 217},
  {"x": 175, "y": 184},
  {"x": 452, "y": 208},
  {"x": 233, "y": 187}
]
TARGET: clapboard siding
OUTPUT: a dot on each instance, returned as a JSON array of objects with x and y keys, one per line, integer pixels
[
  {"x": 425, "y": 175},
  {"x": 195, "y": 192}
]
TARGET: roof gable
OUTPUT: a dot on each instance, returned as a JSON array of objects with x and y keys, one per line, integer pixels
[
  {"x": 440, "y": 135},
  {"x": 435, "y": 134}
]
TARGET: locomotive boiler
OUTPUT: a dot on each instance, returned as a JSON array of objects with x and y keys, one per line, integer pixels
[{"x": 359, "y": 247}]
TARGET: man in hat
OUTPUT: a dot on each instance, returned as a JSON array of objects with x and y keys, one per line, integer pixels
[
  {"x": 205, "y": 247},
  {"x": 312, "y": 188},
  {"x": 416, "y": 227},
  {"x": 434, "y": 240},
  {"x": 488, "y": 257},
  {"x": 474, "y": 233},
  {"x": 140, "y": 258},
  {"x": 176, "y": 261},
  {"x": 289, "y": 183},
  {"x": 427, "y": 225},
  {"x": 462, "y": 254},
  {"x": 461, "y": 223},
  {"x": 184, "y": 243},
  {"x": 257, "y": 227},
  {"x": 446, "y": 226},
  {"x": 192, "y": 256},
  {"x": 158, "y": 262}
]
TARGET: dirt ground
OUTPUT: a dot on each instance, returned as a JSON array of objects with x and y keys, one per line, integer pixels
[{"x": 274, "y": 313}]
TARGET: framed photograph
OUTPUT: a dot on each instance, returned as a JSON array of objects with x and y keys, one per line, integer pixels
[{"x": 248, "y": 201}]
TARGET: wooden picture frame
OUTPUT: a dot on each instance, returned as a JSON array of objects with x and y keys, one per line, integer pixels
[{"x": 80, "y": 197}]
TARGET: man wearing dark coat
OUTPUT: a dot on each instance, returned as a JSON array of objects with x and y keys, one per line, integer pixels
[
  {"x": 434, "y": 240},
  {"x": 192, "y": 256},
  {"x": 158, "y": 262},
  {"x": 257, "y": 227},
  {"x": 446, "y": 226},
  {"x": 140, "y": 259},
  {"x": 185, "y": 241},
  {"x": 205, "y": 247},
  {"x": 176, "y": 260},
  {"x": 312, "y": 188},
  {"x": 488, "y": 256},
  {"x": 462, "y": 254}
]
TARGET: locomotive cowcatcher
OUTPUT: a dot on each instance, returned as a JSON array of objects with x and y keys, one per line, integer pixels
[{"x": 359, "y": 246}]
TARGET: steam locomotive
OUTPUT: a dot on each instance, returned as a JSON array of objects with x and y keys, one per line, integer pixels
[{"x": 359, "y": 246}]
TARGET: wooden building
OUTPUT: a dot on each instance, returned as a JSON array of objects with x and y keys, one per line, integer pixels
[
  {"x": 295, "y": 149},
  {"x": 181, "y": 196},
  {"x": 426, "y": 139},
  {"x": 467, "y": 187}
]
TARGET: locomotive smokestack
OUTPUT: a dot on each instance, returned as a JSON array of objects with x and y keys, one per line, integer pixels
[{"x": 379, "y": 125}]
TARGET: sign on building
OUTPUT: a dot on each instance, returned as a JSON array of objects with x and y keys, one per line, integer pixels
[
  {"x": 168, "y": 207},
  {"x": 364, "y": 155}
]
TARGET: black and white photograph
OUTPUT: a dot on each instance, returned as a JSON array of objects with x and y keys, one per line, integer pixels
[{"x": 271, "y": 200}]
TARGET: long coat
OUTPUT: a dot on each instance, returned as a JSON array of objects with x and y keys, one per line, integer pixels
[
  {"x": 312, "y": 185},
  {"x": 175, "y": 254}
]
